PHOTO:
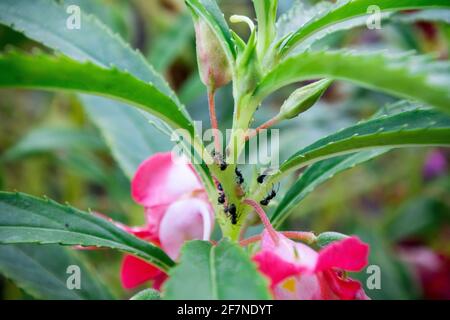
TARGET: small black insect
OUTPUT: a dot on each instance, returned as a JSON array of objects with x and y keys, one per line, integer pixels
[
  {"x": 272, "y": 194},
  {"x": 219, "y": 187},
  {"x": 232, "y": 212},
  {"x": 223, "y": 165},
  {"x": 239, "y": 176},
  {"x": 261, "y": 178},
  {"x": 221, "y": 198}
]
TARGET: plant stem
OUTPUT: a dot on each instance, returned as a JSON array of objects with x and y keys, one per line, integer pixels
[
  {"x": 307, "y": 237},
  {"x": 262, "y": 215},
  {"x": 264, "y": 126},
  {"x": 213, "y": 118}
]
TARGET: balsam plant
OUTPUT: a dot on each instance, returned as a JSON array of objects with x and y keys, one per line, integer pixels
[{"x": 93, "y": 61}]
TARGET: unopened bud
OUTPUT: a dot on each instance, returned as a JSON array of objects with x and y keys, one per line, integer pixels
[
  {"x": 304, "y": 98},
  {"x": 213, "y": 64},
  {"x": 326, "y": 238}
]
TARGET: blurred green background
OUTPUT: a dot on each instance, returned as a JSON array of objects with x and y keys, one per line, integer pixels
[{"x": 399, "y": 203}]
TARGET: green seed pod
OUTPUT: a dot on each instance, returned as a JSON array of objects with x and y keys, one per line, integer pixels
[
  {"x": 304, "y": 98},
  {"x": 326, "y": 238},
  {"x": 213, "y": 64}
]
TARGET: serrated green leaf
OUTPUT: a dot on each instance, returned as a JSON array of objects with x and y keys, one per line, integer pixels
[
  {"x": 315, "y": 175},
  {"x": 46, "y": 139},
  {"x": 348, "y": 9},
  {"x": 42, "y": 272},
  {"x": 114, "y": 15},
  {"x": 128, "y": 134},
  {"x": 92, "y": 42},
  {"x": 53, "y": 73},
  {"x": 96, "y": 43},
  {"x": 26, "y": 219},
  {"x": 208, "y": 272},
  {"x": 411, "y": 128},
  {"x": 324, "y": 170},
  {"x": 405, "y": 76}
]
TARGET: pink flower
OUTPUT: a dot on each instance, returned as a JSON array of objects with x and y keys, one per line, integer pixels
[
  {"x": 431, "y": 268},
  {"x": 298, "y": 272},
  {"x": 176, "y": 210},
  {"x": 435, "y": 165}
]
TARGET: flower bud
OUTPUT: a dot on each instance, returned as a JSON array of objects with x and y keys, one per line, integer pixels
[
  {"x": 326, "y": 238},
  {"x": 304, "y": 98},
  {"x": 213, "y": 64}
]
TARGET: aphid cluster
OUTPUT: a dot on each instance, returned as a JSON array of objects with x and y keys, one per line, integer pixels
[
  {"x": 230, "y": 209},
  {"x": 221, "y": 199}
]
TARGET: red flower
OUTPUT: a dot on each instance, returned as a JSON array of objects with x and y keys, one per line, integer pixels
[
  {"x": 176, "y": 210},
  {"x": 298, "y": 272}
]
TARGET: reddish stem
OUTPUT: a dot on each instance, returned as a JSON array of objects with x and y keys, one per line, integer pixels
[
  {"x": 265, "y": 125},
  {"x": 264, "y": 219},
  {"x": 213, "y": 118},
  {"x": 307, "y": 237}
]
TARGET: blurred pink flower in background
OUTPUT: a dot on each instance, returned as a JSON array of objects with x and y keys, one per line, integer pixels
[
  {"x": 431, "y": 269},
  {"x": 435, "y": 164},
  {"x": 298, "y": 272},
  {"x": 176, "y": 210}
]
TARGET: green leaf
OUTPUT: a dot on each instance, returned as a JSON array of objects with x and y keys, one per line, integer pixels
[
  {"x": 211, "y": 13},
  {"x": 298, "y": 15},
  {"x": 26, "y": 219},
  {"x": 314, "y": 176},
  {"x": 411, "y": 128},
  {"x": 324, "y": 170},
  {"x": 208, "y": 272},
  {"x": 96, "y": 43},
  {"x": 266, "y": 14},
  {"x": 128, "y": 134},
  {"x": 61, "y": 73},
  {"x": 92, "y": 42},
  {"x": 349, "y": 9},
  {"x": 406, "y": 76},
  {"x": 147, "y": 294},
  {"x": 46, "y": 139},
  {"x": 42, "y": 272}
]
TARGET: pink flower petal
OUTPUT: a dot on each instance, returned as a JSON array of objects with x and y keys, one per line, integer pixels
[
  {"x": 344, "y": 288},
  {"x": 349, "y": 254},
  {"x": 135, "y": 272},
  {"x": 185, "y": 220},
  {"x": 274, "y": 267},
  {"x": 294, "y": 252},
  {"x": 159, "y": 281},
  {"x": 160, "y": 181}
]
